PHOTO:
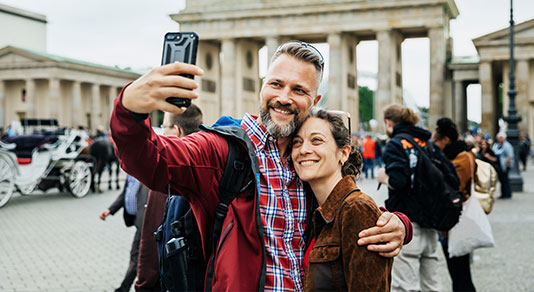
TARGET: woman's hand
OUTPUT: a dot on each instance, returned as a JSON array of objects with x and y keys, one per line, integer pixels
[{"x": 386, "y": 237}]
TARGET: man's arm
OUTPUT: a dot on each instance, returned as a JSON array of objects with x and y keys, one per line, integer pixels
[{"x": 391, "y": 232}]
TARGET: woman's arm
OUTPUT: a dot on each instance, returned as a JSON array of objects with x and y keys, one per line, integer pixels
[{"x": 364, "y": 270}]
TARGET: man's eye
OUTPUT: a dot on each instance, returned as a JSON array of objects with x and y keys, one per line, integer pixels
[
  {"x": 275, "y": 84},
  {"x": 300, "y": 91}
]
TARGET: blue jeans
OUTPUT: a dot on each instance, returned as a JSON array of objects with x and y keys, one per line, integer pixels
[{"x": 369, "y": 163}]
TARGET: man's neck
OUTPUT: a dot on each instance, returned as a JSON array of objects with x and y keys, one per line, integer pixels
[{"x": 283, "y": 144}]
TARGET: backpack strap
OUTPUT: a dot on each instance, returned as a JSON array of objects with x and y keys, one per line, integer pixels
[{"x": 229, "y": 187}]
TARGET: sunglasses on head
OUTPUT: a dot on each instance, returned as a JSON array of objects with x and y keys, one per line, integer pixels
[
  {"x": 312, "y": 48},
  {"x": 345, "y": 116}
]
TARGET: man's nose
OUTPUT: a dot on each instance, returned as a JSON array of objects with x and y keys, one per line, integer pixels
[{"x": 285, "y": 96}]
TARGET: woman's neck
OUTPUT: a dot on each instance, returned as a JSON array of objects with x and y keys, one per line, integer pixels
[{"x": 323, "y": 187}]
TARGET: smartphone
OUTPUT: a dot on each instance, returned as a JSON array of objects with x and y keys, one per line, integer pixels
[{"x": 180, "y": 47}]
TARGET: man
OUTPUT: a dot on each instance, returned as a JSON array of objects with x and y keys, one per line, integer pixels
[
  {"x": 174, "y": 125},
  {"x": 132, "y": 199},
  {"x": 505, "y": 152},
  {"x": 415, "y": 269},
  {"x": 369, "y": 154},
  {"x": 262, "y": 244}
]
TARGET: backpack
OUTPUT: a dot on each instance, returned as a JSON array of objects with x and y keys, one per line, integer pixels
[
  {"x": 434, "y": 194},
  {"x": 485, "y": 182},
  {"x": 182, "y": 264}
]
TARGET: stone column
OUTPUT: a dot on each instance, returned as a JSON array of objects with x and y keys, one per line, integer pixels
[
  {"x": 438, "y": 54},
  {"x": 460, "y": 106},
  {"x": 54, "y": 100},
  {"x": 521, "y": 100},
  {"x": 337, "y": 70},
  {"x": 33, "y": 108},
  {"x": 389, "y": 89},
  {"x": 342, "y": 79},
  {"x": 3, "y": 106},
  {"x": 210, "y": 83},
  {"x": 95, "y": 107},
  {"x": 228, "y": 77},
  {"x": 77, "y": 108},
  {"x": 488, "y": 98},
  {"x": 272, "y": 43}
]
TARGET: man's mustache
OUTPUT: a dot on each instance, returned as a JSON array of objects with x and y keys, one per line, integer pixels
[{"x": 285, "y": 107}]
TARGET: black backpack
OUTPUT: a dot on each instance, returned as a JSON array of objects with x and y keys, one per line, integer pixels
[
  {"x": 182, "y": 264},
  {"x": 435, "y": 196}
]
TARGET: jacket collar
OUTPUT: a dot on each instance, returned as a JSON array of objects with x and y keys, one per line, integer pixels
[{"x": 332, "y": 204}]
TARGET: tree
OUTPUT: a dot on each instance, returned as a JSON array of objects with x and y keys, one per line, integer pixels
[{"x": 367, "y": 97}]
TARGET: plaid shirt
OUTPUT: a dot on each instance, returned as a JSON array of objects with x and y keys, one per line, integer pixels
[{"x": 283, "y": 211}]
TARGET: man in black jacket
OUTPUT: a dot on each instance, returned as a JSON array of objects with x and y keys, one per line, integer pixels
[{"x": 133, "y": 199}]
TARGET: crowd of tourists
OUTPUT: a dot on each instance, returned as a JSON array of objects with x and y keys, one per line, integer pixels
[{"x": 289, "y": 215}]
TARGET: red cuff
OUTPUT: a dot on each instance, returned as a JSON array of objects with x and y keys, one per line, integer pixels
[{"x": 407, "y": 225}]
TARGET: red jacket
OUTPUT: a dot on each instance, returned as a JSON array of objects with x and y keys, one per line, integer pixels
[{"x": 193, "y": 166}]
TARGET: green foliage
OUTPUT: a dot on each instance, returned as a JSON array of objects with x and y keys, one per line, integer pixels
[{"x": 367, "y": 97}]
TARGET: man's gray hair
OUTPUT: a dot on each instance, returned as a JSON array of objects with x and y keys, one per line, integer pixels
[{"x": 301, "y": 51}]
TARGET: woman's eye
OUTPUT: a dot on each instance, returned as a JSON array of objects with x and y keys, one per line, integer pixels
[
  {"x": 316, "y": 139},
  {"x": 296, "y": 143}
]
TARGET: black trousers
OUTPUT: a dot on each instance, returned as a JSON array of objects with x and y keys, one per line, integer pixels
[
  {"x": 131, "y": 273},
  {"x": 460, "y": 271}
]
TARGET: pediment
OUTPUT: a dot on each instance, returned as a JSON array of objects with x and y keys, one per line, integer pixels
[
  {"x": 14, "y": 55},
  {"x": 523, "y": 32}
]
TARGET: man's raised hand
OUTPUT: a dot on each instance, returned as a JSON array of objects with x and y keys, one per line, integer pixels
[{"x": 148, "y": 92}]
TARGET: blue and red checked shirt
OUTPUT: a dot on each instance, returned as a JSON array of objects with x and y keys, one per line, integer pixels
[{"x": 283, "y": 211}]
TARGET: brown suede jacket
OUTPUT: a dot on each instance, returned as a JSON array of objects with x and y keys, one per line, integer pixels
[{"x": 337, "y": 262}]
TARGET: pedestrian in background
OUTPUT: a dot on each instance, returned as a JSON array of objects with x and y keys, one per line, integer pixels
[
  {"x": 459, "y": 267},
  {"x": 369, "y": 146},
  {"x": 148, "y": 269},
  {"x": 132, "y": 199},
  {"x": 416, "y": 266},
  {"x": 380, "y": 143},
  {"x": 505, "y": 152},
  {"x": 524, "y": 150}
]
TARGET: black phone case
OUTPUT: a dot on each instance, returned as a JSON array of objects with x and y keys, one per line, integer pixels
[{"x": 180, "y": 47}]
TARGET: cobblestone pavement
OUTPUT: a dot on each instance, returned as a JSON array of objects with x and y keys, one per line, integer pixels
[{"x": 54, "y": 242}]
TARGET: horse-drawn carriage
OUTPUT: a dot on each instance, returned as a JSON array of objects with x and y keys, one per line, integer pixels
[{"x": 47, "y": 158}]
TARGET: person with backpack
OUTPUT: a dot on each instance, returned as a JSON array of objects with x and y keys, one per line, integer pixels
[
  {"x": 421, "y": 190},
  {"x": 325, "y": 160},
  {"x": 148, "y": 267},
  {"x": 260, "y": 242},
  {"x": 464, "y": 160}
]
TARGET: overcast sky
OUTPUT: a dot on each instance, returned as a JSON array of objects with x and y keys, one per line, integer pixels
[{"x": 129, "y": 33}]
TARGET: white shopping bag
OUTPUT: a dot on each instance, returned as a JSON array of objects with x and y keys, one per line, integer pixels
[{"x": 472, "y": 231}]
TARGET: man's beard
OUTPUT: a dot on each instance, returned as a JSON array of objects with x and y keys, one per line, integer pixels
[{"x": 274, "y": 129}]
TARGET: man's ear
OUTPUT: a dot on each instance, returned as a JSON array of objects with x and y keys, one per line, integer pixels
[
  {"x": 317, "y": 98},
  {"x": 179, "y": 131}
]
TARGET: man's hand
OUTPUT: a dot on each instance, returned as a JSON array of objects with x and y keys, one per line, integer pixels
[
  {"x": 148, "y": 93},
  {"x": 386, "y": 237},
  {"x": 105, "y": 214}
]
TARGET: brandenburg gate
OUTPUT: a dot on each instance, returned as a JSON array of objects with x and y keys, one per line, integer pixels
[{"x": 236, "y": 30}]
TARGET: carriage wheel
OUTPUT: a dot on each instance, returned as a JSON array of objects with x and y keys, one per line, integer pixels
[
  {"x": 79, "y": 179},
  {"x": 7, "y": 181}
]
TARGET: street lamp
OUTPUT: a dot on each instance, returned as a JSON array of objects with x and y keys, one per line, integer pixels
[{"x": 512, "y": 132}]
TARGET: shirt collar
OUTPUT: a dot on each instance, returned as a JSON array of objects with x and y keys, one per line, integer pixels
[
  {"x": 256, "y": 132},
  {"x": 332, "y": 204}
]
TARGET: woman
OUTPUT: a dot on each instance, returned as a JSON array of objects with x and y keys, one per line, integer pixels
[
  {"x": 464, "y": 161},
  {"x": 323, "y": 158}
]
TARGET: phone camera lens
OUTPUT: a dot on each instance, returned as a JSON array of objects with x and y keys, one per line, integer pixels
[
  {"x": 192, "y": 36},
  {"x": 170, "y": 36}
]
